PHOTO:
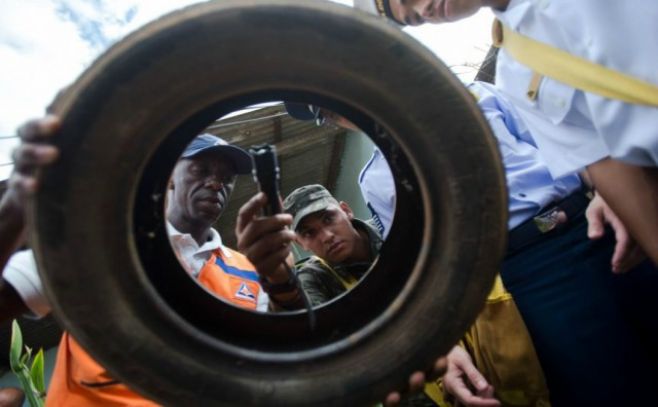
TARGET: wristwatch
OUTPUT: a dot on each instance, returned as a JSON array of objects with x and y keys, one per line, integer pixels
[{"x": 287, "y": 286}]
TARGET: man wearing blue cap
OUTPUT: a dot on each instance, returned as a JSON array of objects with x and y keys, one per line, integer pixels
[
  {"x": 199, "y": 190},
  {"x": 201, "y": 184}
]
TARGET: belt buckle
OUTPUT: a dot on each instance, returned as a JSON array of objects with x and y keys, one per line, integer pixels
[{"x": 548, "y": 220}]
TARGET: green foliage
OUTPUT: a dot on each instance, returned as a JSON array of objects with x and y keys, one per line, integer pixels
[
  {"x": 31, "y": 379},
  {"x": 16, "y": 346},
  {"x": 37, "y": 374}
]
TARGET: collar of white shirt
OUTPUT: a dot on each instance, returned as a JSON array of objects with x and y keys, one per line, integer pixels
[{"x": 189, "y": 253}]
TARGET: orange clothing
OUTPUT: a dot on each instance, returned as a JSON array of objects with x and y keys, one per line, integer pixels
[
  {"x": 79, "y": 381},
  {"x": 232, "y": 278}
]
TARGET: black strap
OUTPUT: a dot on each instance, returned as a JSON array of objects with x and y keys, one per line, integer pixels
[{"x": 287, "y": 286}]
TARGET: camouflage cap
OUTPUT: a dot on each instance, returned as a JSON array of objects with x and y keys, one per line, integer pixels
[{"x": 306, "y": 200}]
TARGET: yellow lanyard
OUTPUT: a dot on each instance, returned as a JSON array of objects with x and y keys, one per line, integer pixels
[
  {"x": 347, "y": 283},
  {"x": 572, "y": 70}
]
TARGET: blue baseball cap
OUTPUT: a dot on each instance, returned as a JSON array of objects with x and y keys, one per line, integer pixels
[{"x": 207, "y": 142}]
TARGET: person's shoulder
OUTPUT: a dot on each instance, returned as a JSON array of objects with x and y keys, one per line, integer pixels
[
  {"x": 22, "y": 260},
  {"x": 21, "y": 273},
  {"x": 371, "y": 226},
  {"x": 312, "y": 264},
  {"x": 308, "y": 261}
]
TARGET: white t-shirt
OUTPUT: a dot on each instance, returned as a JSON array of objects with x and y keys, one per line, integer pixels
[{"x": 21, "y": 273}]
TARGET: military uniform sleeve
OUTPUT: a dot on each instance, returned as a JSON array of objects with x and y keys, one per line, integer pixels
[{"x": 312, "y": 284}]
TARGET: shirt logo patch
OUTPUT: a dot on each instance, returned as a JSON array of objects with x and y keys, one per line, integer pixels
[{"x": 244, "y": 293}]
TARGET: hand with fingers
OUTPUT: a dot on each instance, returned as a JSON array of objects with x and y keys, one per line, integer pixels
[
  {"x": 465, "y": 383},
  {"x": 266, "y": 241},
  {"x": 417, "y": 382},
  {"x": 33, "y": 153},
  {"x": 627, "y": 253}
]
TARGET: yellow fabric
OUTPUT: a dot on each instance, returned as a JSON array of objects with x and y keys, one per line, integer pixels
[
  {"x": 434, "y": 391},
  {"x": 502, "y": 351},
  {"x": 348, "y": 282},
  {"x": 572, "y": 70},
  {"x": 498, "y": 292}
]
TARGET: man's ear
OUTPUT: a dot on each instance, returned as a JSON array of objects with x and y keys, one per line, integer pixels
[{"x": 346, "y": 208}]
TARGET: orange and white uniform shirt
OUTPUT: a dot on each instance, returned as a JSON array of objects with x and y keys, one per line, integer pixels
[{"x": 223, "y": 271}]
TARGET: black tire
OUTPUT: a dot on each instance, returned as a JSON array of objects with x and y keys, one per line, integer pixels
[{"x": 115, "y": 283}]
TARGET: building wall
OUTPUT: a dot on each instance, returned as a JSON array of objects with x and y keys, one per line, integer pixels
[{"x": 358, "y": 149}]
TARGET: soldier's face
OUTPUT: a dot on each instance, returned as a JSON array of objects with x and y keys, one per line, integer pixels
[{"x": 329, "y": 234}]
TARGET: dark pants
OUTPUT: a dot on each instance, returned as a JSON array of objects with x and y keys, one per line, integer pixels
[{"x": 595, "y": 332}]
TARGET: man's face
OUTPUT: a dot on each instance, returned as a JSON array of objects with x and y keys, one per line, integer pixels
[
  {"x": 329, "y": 234},
  {"x": 417, "y": 12},
  {"x": 201, "y": 187}
]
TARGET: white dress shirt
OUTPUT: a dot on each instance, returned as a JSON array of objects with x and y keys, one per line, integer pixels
[
  {"x": 572, "y": 128},
  {"x": 378, "y": 191},
  {"x": 530, "y": 184},
  {"x": 189, "y": 253}
]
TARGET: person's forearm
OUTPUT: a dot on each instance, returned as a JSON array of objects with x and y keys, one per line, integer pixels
[
  {"x": 292, "y": 299},
  {"x": 585, "y": 178},
  {"x": 283, "y": 292},
  {"x": 286, "y": 301},
  {"x": 11, "y": 304},
  {"x": 12, "y": 229}
]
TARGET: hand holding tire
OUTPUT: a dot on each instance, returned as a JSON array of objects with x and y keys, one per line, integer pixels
[
  {"x": 417, "y": 381},
  {"x": 33, "y": 153},
  {"x": 466, "y": 383},
  {"x": 130, "y": 115}
]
